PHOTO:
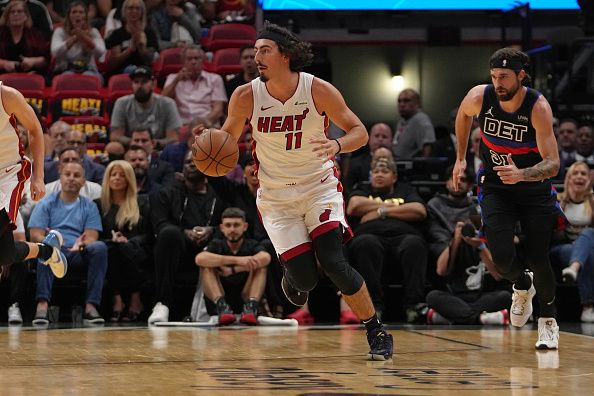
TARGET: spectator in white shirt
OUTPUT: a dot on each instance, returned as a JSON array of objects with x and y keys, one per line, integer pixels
[{"x": 196, "y": 92}]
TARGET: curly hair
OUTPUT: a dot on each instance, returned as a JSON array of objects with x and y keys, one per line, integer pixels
[
  {"x": 298, "y": 51},
  {"x": 514, "y": 55}
]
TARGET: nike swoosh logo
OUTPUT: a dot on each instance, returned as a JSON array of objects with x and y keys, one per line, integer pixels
[
  {"x": 262, "y": 108},
  {"x": 8, "y": 170},
  {"x": 324, "y": 179}
]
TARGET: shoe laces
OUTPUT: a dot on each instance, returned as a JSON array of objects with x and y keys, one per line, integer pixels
[
  {"x": 520, "y": 298},
  {"x": 379, "y": 339},
  {"x": 546, "y": 332}
]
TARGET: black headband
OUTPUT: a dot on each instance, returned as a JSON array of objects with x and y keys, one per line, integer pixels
[
  {"x": 513, "y": 64},
  {"x": 274, "y": 36}
]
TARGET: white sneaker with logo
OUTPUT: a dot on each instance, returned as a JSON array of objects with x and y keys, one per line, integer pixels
[
  {"x": 548, "y": 334},
  {"x": 160, "y": 314},
  {"x": 495, "y": 318},
  {"x": 521, "y": 308},
  {"x": 14, "y": 314}
]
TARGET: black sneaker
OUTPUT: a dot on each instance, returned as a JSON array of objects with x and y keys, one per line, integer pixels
[
  {"x": 381, "y": 345},
  {"x": 92, "y": 317},
  {"x": 249, "y": 315},
  {"x": 295, "y": 296}
]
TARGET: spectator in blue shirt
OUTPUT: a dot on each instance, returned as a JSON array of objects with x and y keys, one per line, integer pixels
[{"x": 78, "y": 220}]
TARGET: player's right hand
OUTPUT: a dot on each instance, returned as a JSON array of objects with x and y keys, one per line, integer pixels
[{"x": 458, "y": 173}]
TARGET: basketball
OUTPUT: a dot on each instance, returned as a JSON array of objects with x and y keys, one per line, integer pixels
[{"x": 215, "y": 152}]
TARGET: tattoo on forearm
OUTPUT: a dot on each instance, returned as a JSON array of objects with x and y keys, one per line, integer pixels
[{"x": 543, "y": 170}]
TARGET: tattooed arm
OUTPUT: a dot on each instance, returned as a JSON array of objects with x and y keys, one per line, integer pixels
[{"x": 542, "y": 120}]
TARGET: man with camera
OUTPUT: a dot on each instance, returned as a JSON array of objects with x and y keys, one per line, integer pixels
[{"x": 463, "y": 261}]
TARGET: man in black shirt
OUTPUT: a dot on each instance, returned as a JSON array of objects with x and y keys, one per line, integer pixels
[
  {"x": 233, "y": 270},
  {"x": 248, "y": 69},
  {"x": 386, "y": 216},
  {"x": 184, "y": 216},
  {"x": 519, "y": 155}
]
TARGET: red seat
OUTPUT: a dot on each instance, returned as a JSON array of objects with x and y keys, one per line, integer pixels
[
  {"x": 23, "y": 81},
  {"x": 119, "y": 82},
  {"x": 32, "y": 86},
  {"x": 75, "y": 82},
  {"x": 226, "y": 61},
  {"x": 229, "y": 35},
  {"x": 169, "y": 62}
]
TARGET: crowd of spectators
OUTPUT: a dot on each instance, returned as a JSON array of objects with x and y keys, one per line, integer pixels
[{"x": 140, "y": 215}]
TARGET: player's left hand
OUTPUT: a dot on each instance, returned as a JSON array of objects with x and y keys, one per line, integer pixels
[
  {"x": 37, "y": 189},
  {"x": 509, "y": 174},
  {"x": 325, "y": 149}
]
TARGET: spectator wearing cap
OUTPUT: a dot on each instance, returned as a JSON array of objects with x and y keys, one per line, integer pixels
[
  {"x": 134, "y": 43},
  {"x": 197, "y": 93},
  {"x": 144, "y": 109},
  {"x": 387, "y": 217}
]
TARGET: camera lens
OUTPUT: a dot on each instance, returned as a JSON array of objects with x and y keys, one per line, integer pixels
[{"x": 468, "y": 230}]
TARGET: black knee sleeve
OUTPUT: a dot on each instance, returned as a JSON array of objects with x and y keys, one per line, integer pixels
[
  {"x": 328, "y": 247},
  {"x": 302, "y": 271},
  {"x": 7, "y": 248}
]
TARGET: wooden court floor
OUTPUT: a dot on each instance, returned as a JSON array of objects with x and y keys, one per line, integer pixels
[{"x": 289, "y": 361}]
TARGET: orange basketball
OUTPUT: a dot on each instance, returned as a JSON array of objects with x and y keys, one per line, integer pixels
[{"x": 215, "y": 152}]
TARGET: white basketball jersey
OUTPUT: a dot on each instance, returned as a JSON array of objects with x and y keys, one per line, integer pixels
[
  {"x": 281, "y": 133},
  {"x": 10, "y": 148}
]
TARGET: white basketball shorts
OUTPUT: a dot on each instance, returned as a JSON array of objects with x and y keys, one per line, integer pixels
[
  {"x": 295, "y": 215},
  {"x": 12, "y": 185}
]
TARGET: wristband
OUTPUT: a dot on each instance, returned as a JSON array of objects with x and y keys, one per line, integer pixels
[
  {"x": 339, "y": 146},
  {"x": 381, "y": 212}
]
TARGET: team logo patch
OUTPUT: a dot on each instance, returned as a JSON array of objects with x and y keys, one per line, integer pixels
[{"x": 325, "y": 216}]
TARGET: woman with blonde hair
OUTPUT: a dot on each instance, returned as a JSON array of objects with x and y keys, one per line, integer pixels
[
  {"x": 23, "y": 48},
  {"x": 575, "y": 252},
  {"x": 126, "y": 228},
  {"x": 134, "y": 43},
  {"x": 76, "y": 46}
]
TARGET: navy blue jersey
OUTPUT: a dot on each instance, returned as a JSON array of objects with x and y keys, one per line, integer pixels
[{"x": 504, "y": 133}]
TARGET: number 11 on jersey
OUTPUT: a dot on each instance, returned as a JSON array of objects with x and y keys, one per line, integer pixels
[{"x": 293, "y": 136}]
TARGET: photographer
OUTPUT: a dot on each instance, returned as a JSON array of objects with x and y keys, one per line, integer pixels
[{"x": 463, "y": 260}]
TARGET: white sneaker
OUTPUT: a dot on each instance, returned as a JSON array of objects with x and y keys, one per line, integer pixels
[
  {"x": 495, "y": 318},
  {"x": 569, "y": 275},
  {"x": 521, "y": 308},
  {"x": 548, "y": 334},
  {"x": 160, "y": 314},
  {"x": 588, "y": 315},
  {"x": 14, "y": 314}
]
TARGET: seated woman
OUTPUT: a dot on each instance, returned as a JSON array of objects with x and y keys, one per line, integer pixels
[
  {"x": 76, "y": 46},
  {"x": 22, "y": 47},
  {"x": 134, "y": 43},
  {"x": 126, "y": 228},
  {"x": 575, "y": 245}
]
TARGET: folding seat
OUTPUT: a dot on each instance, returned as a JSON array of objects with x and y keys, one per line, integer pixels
[
  {"x": 229, "y": 35},
  {"x": 227, "y": 61}
]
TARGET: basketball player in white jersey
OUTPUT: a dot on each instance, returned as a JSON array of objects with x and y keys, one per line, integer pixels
[
  {"x": 299, "y": 198},
  {"x": 15, "y": 170}
]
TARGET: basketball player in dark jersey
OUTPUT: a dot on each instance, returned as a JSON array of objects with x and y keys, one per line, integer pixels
[{"x": 519, "y": 154}]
